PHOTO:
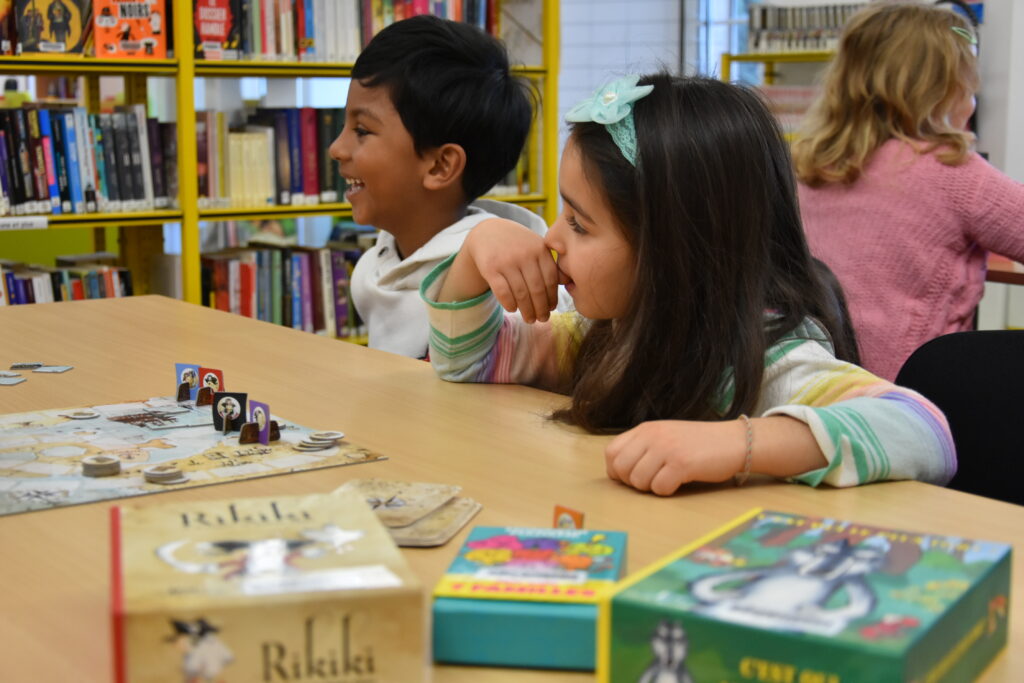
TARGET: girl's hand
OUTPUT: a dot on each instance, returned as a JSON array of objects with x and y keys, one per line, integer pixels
[
  {"x": 662, "y": 455},
  {"x": 510, "y": 260}
]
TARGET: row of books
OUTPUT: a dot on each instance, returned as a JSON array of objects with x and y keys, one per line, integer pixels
[
  {"x": 304, "y": 288},
  {"x": 781, "y": 26},
  {"x": 58, "y": 161},
  {"x": 314, "y": 30},
  {"x": 32, "y": 284},
  {"x": 280, "y": 156},
  {"x": 112, "y": 29},
  {"x": 789, "y": 103},
  {"x": 284, "y": 30}
]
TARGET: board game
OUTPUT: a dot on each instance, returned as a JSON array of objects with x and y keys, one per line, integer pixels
[{"x": 42, "y": 452}]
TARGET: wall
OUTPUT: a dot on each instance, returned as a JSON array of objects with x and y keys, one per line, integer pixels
[{"x": 604, "y": 39}]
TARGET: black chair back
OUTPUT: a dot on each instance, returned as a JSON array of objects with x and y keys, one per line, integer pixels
[{"x": 977, "y": 380}]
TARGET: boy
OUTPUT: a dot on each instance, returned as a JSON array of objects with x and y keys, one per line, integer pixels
[{"x": 433, "y": 120}]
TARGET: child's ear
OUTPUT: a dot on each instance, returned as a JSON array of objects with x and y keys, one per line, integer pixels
[{"x": 449, "y": 161}]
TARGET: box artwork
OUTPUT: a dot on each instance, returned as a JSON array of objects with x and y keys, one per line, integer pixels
[
  {"x": 263, "y": 589},
  {"x": 788, "y": 598}
]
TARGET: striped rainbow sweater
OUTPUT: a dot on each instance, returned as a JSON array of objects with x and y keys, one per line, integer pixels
[{"x": 868, "y": 428}]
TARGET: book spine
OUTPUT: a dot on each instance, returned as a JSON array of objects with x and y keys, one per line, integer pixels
[
  {"x": 86, "y": 163},
  {"x": 60, "y": 161},
  {"x": 339, "y": 273},
  {"x": 286, "y": 287},
  {"x": 46, "y": 135},
  {"x": 275, "y": 287},
  {"x": 5, "y": 183},
  {"x": 24, "y": 158},
  {"x": 103, "y": 183},
  {"x": 295, "y": 155},
  {"x": 127, "y": 180},
  {"x": 156, "y": 163},
  {"x": 169, "y": 138},
  {"x": 74, "y": 168},
  {"x": 296, "y": 291},
  {"x": 310, "y": 154},
  {"x": 324, "y": 128},
  {"x": 307, "y": 290},
  {"x": 326, "y": 286},
  {"x": 38, "y": 157},
  {"x": 283, "y": 157},
  {"x": 114, "y": 191},
  {"x": 145, "y": 162},
  {"x": 202, "y": 160}
]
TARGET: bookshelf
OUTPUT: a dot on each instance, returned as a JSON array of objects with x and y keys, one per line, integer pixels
[
  {"x": 140, "y": 233},
  {"x": 770, "y": 59}
]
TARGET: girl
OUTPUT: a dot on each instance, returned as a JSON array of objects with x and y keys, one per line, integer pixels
[
  {"x": 893, "y": 198},
  {"x": 697, "y": 304}
]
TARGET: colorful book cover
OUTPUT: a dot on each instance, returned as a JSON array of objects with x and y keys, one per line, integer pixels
[
  {"x": 810, "y": 599},
  {"x": 46, "y": 134},
  {"x": 130, "y": 29},
  {"x": 261, "y": 589},
  {"x": 218, "y": 29},
  {"x": 54, "y": 26},
  {"x": 512, "y": 593},
  {"x": 60, "y": 161},
  {"x": 73, "y": 162},
  {"x": 339, "y": 273}
]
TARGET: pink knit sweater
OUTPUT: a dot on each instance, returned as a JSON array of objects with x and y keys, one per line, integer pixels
[{"x": 908, "y": 241}]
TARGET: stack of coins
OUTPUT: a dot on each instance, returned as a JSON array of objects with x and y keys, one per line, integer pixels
[
  {"x": 101, "y": 465},
  {"x": 318, "y": 441},
  {"x": 164, "y": 474}
]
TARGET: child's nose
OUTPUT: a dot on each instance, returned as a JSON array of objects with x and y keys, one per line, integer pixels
[
  {"x": 338, "y": 149},
  {"x": 553, "y": 238}
]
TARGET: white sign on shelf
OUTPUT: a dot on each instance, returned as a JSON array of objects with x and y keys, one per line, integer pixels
[{"x": 24, "y": 223}]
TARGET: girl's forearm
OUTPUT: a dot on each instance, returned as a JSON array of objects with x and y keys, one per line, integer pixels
[{"x": 784, "y": 447}]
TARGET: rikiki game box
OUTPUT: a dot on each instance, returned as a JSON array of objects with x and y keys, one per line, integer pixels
[
  {"x": 775, "y": 596},
  {"x": 264, "y": 589}
]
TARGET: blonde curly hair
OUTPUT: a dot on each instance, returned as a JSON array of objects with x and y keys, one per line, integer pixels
[{"x": 900, "y": 72}]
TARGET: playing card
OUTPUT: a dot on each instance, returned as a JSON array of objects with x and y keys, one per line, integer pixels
[
  {"x": 400, "y": 503},
  {"x": 11, "y": 381},
  {"x": 54, "y": 368},
  {"x": 439, "y": 526}
]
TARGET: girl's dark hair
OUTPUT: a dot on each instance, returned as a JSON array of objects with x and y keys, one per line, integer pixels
[{"x": 722, "y": 269}]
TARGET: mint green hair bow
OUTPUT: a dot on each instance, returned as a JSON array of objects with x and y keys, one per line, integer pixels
[{"x": 612, "y": 107}]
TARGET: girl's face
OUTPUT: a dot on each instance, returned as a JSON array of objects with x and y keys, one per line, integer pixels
[{"x": 593, "y": 254}]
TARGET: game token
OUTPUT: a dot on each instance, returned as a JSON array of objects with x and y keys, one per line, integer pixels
[
  {"x": 8, "y": 373},
  {"x": 82, "y": 414},
  {"x": 164, "y": 474},
  {"x": 26, "y": 366},
  {"x": 54, "y": 368},
  {"x": 100, "y": 465},
  {"x": 11, "y": 381},
  {"x": 327, "y": 436}
]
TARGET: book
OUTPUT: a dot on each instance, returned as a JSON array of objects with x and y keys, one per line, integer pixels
[
  {"x": 526, "y": 596},
  {"x": 263, "y": 589},
  {"x": 8, "y": 36},
  {"x": 60, "y": 162},
  {"x": 169, "y": 138},
  {"x": 130, "y": 29},
  {"x": 217, "y": 25},
  {"x": 810, "y": 599},
  {"x": 54, "y": 26}
]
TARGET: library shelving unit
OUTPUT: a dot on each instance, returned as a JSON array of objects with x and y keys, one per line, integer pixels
[
  {"x": 769, "y": 59},
  {"x": 141, "y": 232}
]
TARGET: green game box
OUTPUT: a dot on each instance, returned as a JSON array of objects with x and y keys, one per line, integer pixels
[{"x": 785, "y": 598}]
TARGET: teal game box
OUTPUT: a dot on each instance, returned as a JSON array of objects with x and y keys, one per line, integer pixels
[
  {"x": 526, "y": 597},
  {"x": 792, "y": 599}
]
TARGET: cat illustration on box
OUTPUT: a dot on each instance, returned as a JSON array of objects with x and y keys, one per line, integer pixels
[
  {"x": 670, "y": 646},
  {"x": 792, "y": 596}
]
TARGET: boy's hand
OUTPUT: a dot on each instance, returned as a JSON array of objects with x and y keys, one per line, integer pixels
[
  {"x": 516, "y": 266},
  {"x": 660, "y": 456}
]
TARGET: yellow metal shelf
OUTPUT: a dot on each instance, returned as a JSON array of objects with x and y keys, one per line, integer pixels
[
  {"x": 77, "y": 64},
  {"x": 529, "y": 199},
  {"x": 769, "y": 58},
  {"x": 119, "y": 220},
  {"x": 240, "y": 213},
  {"x": 263, "y": 69}
]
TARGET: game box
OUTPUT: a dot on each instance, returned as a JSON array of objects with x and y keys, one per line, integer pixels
[
  {"x": 775, "y": 596},
  {"x": 526, "y": 597},
  {"x": 263, "y": 589}
]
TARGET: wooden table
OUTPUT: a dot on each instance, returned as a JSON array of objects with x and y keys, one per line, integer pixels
[{"x": 492, "y": 440}]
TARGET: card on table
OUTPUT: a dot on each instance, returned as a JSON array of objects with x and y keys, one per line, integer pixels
[
  {"x": 228, "y": 407},
  {"x": 187, "y": 373},
  {"x": 439, "y": 526},
  {"x": 400, "y": 503}
]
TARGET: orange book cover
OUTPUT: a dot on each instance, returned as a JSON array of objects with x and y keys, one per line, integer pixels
[{"x": 130, "y": 29}]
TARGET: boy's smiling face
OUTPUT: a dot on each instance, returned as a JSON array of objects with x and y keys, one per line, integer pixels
[{"x": 378, "y": 160}]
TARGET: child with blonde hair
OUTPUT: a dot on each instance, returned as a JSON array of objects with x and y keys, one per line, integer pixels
[
  {"x": 893, "y": 198},
  {"x": 702, "y": 333}
]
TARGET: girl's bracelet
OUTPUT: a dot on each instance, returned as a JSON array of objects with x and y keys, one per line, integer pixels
[{"x": 741, "y": 477}]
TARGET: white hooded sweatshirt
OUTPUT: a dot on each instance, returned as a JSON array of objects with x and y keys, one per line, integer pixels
[{"x": 386, "y": 289}]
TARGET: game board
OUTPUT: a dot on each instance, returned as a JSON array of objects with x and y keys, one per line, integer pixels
[{"x": 41, "y": 452}]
